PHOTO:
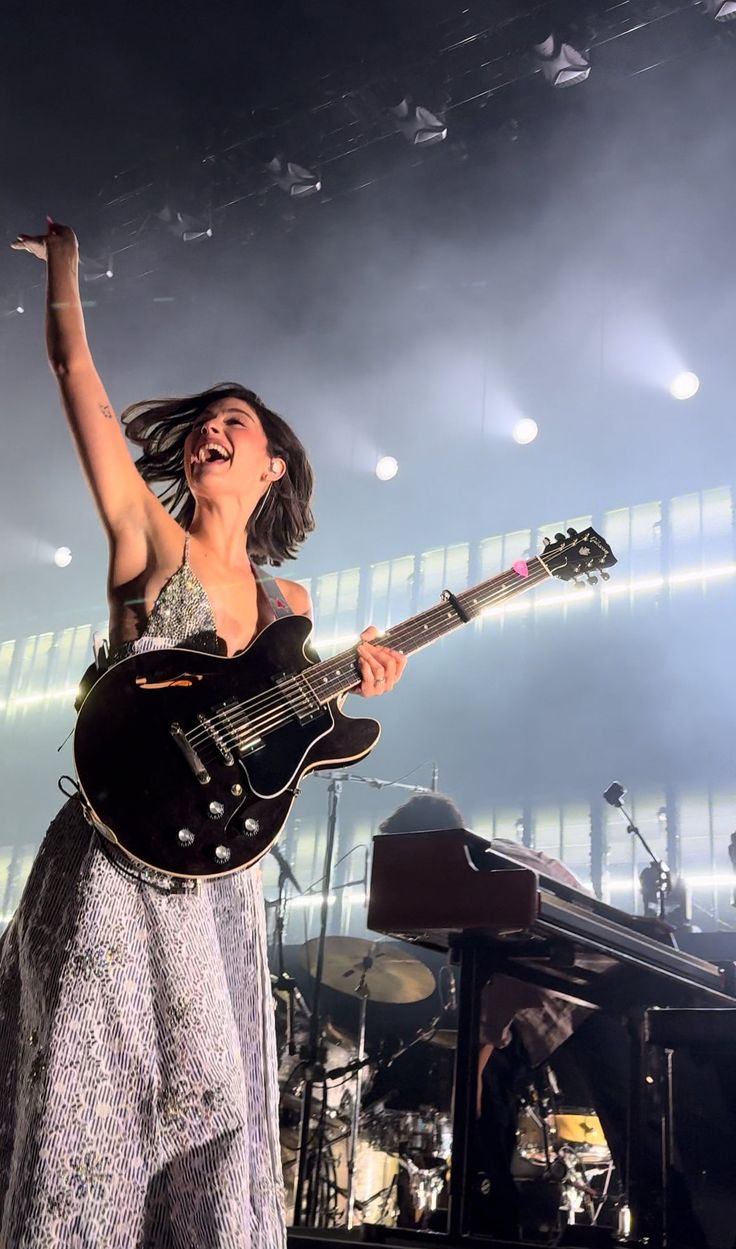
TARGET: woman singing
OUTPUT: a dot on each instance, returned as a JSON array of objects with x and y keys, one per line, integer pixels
[{"x": 138, "y": 1099}]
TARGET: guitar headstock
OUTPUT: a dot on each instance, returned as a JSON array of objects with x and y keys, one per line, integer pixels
[{"x": 573, "y": 555}]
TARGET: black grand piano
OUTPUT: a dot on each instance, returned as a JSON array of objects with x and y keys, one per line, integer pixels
[{"x": 451, "y": 890}]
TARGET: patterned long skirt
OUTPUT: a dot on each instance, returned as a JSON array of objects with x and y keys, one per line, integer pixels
[{"x": 139, "y": 1099}]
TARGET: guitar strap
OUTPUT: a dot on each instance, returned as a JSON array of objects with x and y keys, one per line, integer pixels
[
  {"x": 269, "y": 584},
  {"x": 278, "y": 603}
]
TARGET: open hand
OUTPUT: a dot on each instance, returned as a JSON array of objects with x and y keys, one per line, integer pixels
[
  {"x": 380, "y": 667},
  {"x": 61, "y": 239}
]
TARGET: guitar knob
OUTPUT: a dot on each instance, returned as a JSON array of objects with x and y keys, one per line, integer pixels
[
  {"x": 250, "y": 825},
  {"x": 185, "y": 837},
  {"x": 222, "y": 854},
  {"x": 217, "y": 810}
]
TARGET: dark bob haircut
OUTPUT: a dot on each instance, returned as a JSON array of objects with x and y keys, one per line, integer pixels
[
  {"x": 160, "y": 427},
  {"x": 423, "y": 813}
]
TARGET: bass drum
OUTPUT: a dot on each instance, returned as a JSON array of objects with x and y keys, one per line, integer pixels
[
  {"x": 540, "y": 1136},
  {"x": 581, "y": 1131},
  {"x": 376, "y": 1186}
]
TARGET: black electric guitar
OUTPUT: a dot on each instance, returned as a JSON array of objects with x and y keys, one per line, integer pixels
[{"x": 191, "y": 762}]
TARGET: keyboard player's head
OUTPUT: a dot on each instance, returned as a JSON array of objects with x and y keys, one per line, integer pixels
[{"x": 423, "y": 813}]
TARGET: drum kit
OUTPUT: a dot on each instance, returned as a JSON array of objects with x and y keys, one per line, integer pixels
[
  {"x": 380, "y": 1128},
  {"x": 380, "y": 1153}
]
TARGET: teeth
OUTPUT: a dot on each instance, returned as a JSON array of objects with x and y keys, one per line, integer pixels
[{"x": 202, "y": 456}]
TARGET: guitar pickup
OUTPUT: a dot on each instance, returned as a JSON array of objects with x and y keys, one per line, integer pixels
[
  {"x": 229, "y": 730},
  {"x": 300, "y": 699}
]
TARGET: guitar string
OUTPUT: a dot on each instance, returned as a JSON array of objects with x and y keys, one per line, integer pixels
[
  {"x": 271, "y": 706},
  {"x": 273, "y": 698},
  {"x": 271, "y": 701}
]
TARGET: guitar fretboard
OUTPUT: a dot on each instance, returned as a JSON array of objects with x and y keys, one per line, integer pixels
[{"x": 330, "y": 677}]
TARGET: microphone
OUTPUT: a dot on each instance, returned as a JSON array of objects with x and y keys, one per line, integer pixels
[
  {"x": 614, "y": 794},
  {"x": 285, "y": 870}
]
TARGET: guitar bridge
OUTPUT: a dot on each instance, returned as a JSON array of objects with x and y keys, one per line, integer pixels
[{"x": 213, "y": 732}]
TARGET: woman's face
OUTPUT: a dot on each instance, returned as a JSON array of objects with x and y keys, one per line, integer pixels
[{"x": 226, "y": 451}]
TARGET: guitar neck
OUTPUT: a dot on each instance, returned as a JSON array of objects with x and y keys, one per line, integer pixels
[{"x": 331, "y": 677}]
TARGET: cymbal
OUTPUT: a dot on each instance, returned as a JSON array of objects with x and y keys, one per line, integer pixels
[
  {"x": 445, "y": 1038},
  {"x": 392, "y": 974}
]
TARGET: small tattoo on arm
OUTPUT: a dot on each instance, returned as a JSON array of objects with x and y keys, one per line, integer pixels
[{"x": 107, "y": 411}]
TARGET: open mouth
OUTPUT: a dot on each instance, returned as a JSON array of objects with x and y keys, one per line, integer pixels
[{"x": 212, "y": 453}]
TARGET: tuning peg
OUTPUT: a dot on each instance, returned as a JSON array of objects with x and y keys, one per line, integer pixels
[
  {"x": 560, "y": 537},
  {"x": 572, "y": 533},
  {"x": 547, "y": 541},
  {"x": 591, "y": 579},
  {"x": 579, "y": 583},
  {"x": 605, "y": 576}
]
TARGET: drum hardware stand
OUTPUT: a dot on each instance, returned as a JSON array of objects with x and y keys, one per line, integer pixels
[
  {"x": 283, "y": 980},
  {"x": 314, "y": 1068},
  {"x": 661, "y": 875},
  {"x": 364, "y": 993}
]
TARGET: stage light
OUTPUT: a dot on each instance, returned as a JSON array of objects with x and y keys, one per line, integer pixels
[
  {"x": 721, "y": 10},
  {"x": 561, "y": 63},
  {"x": 525, "y": 431},
  {"x": 418, "y": 125},
  {"x": 62, "y": 557},
  {"x": 684, "y": 386},
  {"x": 386, "y": 468},
  {"x": 95, "y": 270},
  {"x": 294, "y": 179},
  {"x": 11, "y": 306},
  {"x": 183, "y": 225}
]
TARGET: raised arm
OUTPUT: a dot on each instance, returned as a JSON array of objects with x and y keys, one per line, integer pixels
[{"x": 119, "y": 492}]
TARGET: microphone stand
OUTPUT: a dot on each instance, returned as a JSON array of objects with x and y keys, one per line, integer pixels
[
  {"x": 662, "y": 879},
  {"x": 313, "y": 1061}
]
